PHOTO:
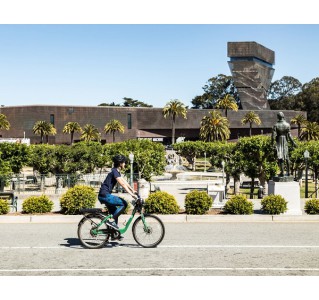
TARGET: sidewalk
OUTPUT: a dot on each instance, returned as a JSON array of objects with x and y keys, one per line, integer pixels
[{"x": 179, "y": 190}]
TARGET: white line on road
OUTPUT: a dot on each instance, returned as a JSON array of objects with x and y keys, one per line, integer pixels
[
  {"x": 169, "y": 246},
  {"x": 158, "y": 269}
]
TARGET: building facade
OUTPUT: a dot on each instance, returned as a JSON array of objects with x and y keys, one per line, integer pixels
[{"x": 139, "y": 122}]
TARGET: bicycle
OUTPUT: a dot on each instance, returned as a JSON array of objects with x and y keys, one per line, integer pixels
[{"x": 94, "y": 232}]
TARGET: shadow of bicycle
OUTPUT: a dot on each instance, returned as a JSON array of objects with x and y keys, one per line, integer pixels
[{"x": 76, "y": 244}]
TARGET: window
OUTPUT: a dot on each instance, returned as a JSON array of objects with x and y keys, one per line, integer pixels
[
  {"x": 52, "y": 119},
  {"x": 129, "y": 121}
]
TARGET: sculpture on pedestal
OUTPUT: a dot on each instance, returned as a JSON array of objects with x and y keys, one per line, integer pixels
[{"x": 281, "y": 135}]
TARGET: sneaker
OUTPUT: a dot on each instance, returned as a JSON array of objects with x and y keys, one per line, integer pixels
[
  {"x": 113, "y": 225},
  {"x": 117, "y": 238}
]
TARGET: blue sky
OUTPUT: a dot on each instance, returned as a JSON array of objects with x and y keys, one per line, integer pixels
[{"x": 88, "y": 64}]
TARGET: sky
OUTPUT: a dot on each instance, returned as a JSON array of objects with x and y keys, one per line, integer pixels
[{"x": 89, "y": 64}]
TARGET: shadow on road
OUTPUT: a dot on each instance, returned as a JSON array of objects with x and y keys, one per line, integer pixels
[{"x": 75, "y": 243}]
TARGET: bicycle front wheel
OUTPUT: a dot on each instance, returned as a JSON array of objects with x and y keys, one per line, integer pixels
[
  {"x": 150, "y": 233},
  {"x": 87, "y": 232}
]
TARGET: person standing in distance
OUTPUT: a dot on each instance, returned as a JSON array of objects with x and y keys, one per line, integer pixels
[{"x": 115, "y": 204}]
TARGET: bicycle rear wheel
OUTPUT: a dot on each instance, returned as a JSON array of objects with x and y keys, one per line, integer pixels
[
  {"x": 89, "y": 239},
  {"x": 150, "y": 234}
]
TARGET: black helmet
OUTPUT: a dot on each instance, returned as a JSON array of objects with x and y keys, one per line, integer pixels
[{"x": 118, "y": 159}]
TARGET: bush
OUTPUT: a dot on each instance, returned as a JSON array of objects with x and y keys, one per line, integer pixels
[
  {"x": 274, "y": 204},
  {"x": 197, "y": 203},
  {"x": 37, "y": 204},
  {"x": 312, "y": 206},
  {"x": 161, "y": 203},
  {"x": 4, "y": 207},
  {"x": 239, "y": 205},
  {"x": 78, "y": 197}
]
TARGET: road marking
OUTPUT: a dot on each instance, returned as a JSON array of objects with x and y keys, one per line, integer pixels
[
  {"x": 165, "y": 246},
  {"x": 159, "y": 269}
]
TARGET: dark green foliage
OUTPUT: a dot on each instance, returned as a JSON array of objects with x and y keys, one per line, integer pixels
[
  {"x": 37, "y": 204},
  {"x": 312, "y": 206},
  {"x": 4, "y": 207},
  {"x": 197, "y": 203},
  {"x": 161, "y": 203},
  {"x": 239, "y": 205},
  {"x": 76, "y": 198},
  {"x": 274, "y": 204}
]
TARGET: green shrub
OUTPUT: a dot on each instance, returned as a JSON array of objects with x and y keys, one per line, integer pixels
[
  {"x": 37, "y": 204},
  {"x": 78, "y": 197},
  {"x": 312, "y": 206},
  {"x": 4, "y": 207},
  {"x": 274, "y": 204},
  {"x": 239, "y": 205},
  {"x": 197, "y": 203},
  {"x": 161, "y": 203}
]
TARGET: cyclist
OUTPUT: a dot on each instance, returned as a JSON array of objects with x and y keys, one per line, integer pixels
[{"x": 115, "y": 204}]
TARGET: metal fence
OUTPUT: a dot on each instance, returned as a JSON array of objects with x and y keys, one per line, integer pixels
[{"x": 49, "y": 183}]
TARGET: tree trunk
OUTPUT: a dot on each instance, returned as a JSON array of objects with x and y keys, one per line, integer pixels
[
  {"x": 236, "y": 184},
  {"x": 252, "y": 188}
]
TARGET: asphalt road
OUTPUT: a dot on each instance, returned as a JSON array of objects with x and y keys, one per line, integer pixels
[{"x": 225, "y": 248}]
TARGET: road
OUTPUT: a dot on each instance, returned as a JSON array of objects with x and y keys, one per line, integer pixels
[{"x": 225, "y": 248}]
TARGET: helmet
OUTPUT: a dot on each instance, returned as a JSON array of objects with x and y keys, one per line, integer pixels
[{"x": 118, "y": 159}]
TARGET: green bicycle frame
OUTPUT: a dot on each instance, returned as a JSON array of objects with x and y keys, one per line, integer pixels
[{"x": 121, "y": 230}]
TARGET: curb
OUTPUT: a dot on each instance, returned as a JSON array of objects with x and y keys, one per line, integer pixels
[{"x": 37, "y": 219}]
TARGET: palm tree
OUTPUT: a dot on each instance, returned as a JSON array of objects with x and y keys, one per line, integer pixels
[
  {"x": 214, "y": 127},
  {"x": 251, "y": 117},
  {"x": 310, "y": 132},
  {"x": 299, "y": 120},
  {"x": 71, "y": 128},
  {"x": 4, "y": 123},
  {"x": 174, "y": 108},
  {"x": 43, "y": 128},
  {"x": 114, "y": 126},
  {"x": 90, "y": 133},
  {"x": 228, "y": 102}
]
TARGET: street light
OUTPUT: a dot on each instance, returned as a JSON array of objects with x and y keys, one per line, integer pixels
[
  {"x": 306, "y": 156},
  {"x": 223, "y": 165},
  {"x": 131, "y": 157},
  {"x": 205, "y": 161}
]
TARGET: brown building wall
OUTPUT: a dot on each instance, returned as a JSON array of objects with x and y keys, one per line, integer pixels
[{"x": 146, "y": 122}]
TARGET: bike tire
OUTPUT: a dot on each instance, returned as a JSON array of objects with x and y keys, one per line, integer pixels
[
  {"x": 87, "y": 238},
  {"x": 151, "y": 236}
]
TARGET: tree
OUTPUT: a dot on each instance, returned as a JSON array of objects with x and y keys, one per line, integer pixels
[
  {"x": 299, "y": 120},
  {"x": 4, "y": 123},
  {"x": 310, "y": 132},
  {"x": 109, "y": 104},
  {"x": 283, "y": 88},
  {"x": 251, "y": 117},
  {"x": 129, "y": 102},
  {"x": 43, "y": 128},
  {"x": 214, "y": 127},
  {"x": 90, "y": 133},
  {"x": 174, "y": 108},
  {"x": 216, "y": 88},
  {"x": 71, "y": 128},
  {"x": 228, "y": 102},
  {"x": 114, "y": 126}
]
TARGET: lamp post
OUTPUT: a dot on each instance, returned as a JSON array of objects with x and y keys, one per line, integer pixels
[
  {"x": 205, "y": 161},
  {"x": 131, "y": 157},
  {"x": 306, "y": 156},
  {"x": 223, "y": 165}
]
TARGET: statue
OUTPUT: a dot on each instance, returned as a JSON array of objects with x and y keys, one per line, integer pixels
[{"x": 281, "y": 134}]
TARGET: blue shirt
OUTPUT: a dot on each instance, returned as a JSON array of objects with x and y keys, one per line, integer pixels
[{"x": 109, "y": 182}]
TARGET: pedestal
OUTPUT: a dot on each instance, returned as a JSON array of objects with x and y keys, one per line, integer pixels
[
  {"x": 217, "y": 193},
  {"x": 290, "y": 191}
]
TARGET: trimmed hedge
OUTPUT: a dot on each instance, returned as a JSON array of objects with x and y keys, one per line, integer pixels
[
  {"x": 312, "y": 206},
  {"x": 37, "y": 204},
  {"x": 161, "y": 203},
  {"x": 239, "y": 205},
  {"x": 274, "y": 204},
  {"x": 197, "y": 202},
  {"x": 78, "y": 197},
  {"x": 4, "y": 207}
]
